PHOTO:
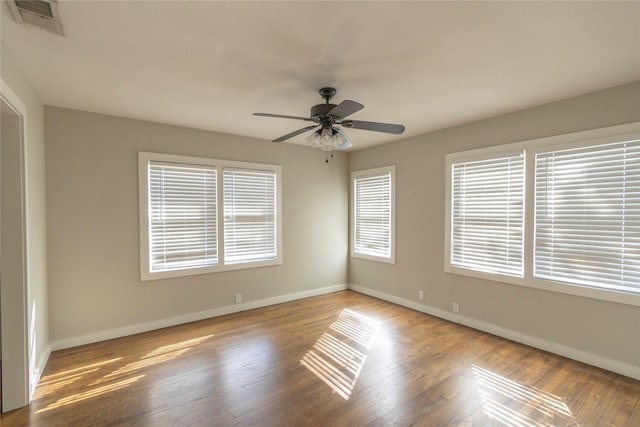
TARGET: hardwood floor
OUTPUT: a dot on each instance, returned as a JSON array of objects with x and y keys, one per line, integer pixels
[{"x": 338, "y": 359}]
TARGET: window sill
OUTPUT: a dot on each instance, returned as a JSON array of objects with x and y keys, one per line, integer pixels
[
  {"x": 146, "y": 276},
  {"x": 620, "y": 297},
  {"x": 389, "y": 260}
]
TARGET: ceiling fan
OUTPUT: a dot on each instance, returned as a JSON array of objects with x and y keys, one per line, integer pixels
[{"x": 327, "y": 118}]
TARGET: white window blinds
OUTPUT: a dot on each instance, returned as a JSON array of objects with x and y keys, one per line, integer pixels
[
  {"x": 373, "y": 215},
  {"x": 587, "y": 215},
  {"x": 182, "y": 216},
  {"x": 250, "y": 226},
  {"x": 487, "y": 218}
]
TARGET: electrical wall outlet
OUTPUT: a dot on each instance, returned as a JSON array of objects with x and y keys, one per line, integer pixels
[
  {"x": 456, "y": 307},
  {"x": 420, "y": 294},
  {"x": 238, "y": 298}
]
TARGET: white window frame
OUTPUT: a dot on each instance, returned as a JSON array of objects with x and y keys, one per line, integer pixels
[
  {"x": 143, "y": 181},
  {"x": 391, "y": 170},
  {"x": 601, "y": 136}
]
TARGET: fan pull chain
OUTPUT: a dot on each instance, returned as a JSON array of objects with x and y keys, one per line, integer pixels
[{"x": 326, "y": 155}]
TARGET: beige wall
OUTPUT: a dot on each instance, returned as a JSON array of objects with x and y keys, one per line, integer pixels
[
  {"x": 93, "y": 239},
  {"x": 606, "y": 330},
  {"x": 35, "y": 216}
]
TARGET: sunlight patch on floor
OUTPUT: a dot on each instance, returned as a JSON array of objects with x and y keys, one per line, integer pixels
[
  {"x": 178, "y": 346},
  {"x": 53, "y": 382},
  {"x": 515, "y": 404},
  {"x": 337, "y": 357},
  {"x": 115, "y": 379},
  {"x": 159, "y": 355},
  {"x": 139, "y": 364},
  {"x": 93, "y": 392}
]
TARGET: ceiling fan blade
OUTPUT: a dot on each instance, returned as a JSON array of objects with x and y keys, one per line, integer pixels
[
  {"x": 374, "y": 126},
  {"x": 345, "y": 108},
  {"x": 292, "y": 134},
  {"x": 307, "y": 119}
]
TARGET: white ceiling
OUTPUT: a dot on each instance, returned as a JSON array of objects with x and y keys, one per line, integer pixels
[{"x": 427, "y": 65}]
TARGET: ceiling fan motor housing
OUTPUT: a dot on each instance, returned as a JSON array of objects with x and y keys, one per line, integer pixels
[{"x": 321, "y": 110}]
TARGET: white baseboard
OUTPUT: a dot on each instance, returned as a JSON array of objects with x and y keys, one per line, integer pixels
[
  {"x": 616, "y": 366},
  {"x": 191, "y": 317}
]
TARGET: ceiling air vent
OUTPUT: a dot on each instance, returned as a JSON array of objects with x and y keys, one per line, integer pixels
[{"x": 42, "y": 14}]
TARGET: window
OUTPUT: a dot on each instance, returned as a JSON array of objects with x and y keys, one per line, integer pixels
[
  {"x": 182, "y": 216},
  {"x": 373, "y": 216},
  {"x": 487, "y": 215},
  {"x": 588, "y": 215},
  {"x": 559, "y": 213},
  {"x": 188, "y": 226},
  {"x": 249, "y": 215}
]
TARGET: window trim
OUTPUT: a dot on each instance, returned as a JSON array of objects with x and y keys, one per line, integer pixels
[
  {"x": 220, "y": 165},
  {"x": 392, "y": 250},
  {"x": 531, "y": 148}
]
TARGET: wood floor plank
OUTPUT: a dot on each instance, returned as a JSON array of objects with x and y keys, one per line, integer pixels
[{"x": 338, "y": 359}]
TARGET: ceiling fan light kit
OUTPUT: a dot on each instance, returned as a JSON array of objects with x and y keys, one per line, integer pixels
[
  {"x": 329, "y": 139},
  {"x": 327, "y": 135}
]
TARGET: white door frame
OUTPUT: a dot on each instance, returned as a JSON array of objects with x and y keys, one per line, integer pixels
[{"x": 16, "y": 387}]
